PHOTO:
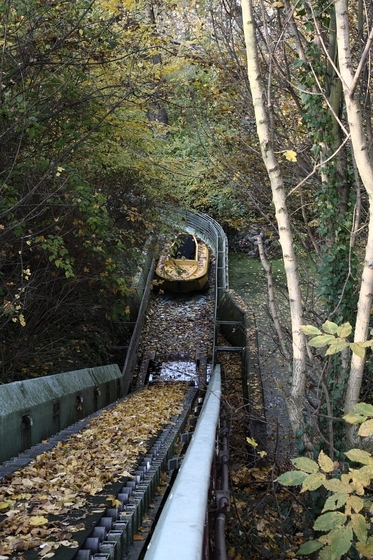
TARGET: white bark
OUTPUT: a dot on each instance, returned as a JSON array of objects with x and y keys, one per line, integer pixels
[
  {"x": 365, "y": 168},
  {"x": 295, "y": 401},
  {"x": 271, "y": 298}
]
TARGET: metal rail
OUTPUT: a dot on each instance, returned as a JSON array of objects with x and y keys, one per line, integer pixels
[
  {"x": 131, "y": 356},
  {"x": 222, "y": 494},
  {"x": 183, "y": 525},
  {"x": 210, "y": 231},
  {"x": 179, "y": 532},
  {"x": 213, "y": 234},
  {"x": 112, "y": 536}
]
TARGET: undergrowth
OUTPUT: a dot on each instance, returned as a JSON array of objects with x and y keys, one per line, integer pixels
[{"x": 267, "y": 520}]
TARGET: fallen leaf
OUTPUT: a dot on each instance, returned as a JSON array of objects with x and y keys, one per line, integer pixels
[
  {"x": 38, "y": 521},
  {"x": 252, "y": 442},
  {"x": 289, "y": 154}
]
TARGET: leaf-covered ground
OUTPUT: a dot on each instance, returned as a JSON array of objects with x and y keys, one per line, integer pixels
[
  {"x": 179, "y": 325},
  {"x": 247, "y": 279},
  {"x": 266, "y": 520},
  {"x": 41, "y": 504}
]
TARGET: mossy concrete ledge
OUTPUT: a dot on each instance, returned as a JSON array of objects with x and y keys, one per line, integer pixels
[{"x": 35, "y": 409}]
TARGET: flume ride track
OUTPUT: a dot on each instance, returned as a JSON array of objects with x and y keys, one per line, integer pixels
[{"x": 142, "y": 504}]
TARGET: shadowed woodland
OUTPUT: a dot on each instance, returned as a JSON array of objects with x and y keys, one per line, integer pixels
[{"x": 115, "y": 114}]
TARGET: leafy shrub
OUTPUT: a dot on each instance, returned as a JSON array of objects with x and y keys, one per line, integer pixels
[{"x": 345, "y": 518}]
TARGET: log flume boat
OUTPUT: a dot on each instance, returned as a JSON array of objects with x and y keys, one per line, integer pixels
[{"x": 183, "y": 267}]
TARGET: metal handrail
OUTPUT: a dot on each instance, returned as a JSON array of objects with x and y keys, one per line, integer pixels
[
  {"x": 210, "y": 231},
  {"x": 179, "y": 532},
  {"x": 183, "y": 520}
]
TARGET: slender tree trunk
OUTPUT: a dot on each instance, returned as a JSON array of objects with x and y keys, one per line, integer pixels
[
  {"x": 157, "y": 111},
  {"x": 298, "y": 387},
  {"x": 365, "y": 168},
  {"x": 335, "y": 95},
  {"x": 272, "y": 299}
]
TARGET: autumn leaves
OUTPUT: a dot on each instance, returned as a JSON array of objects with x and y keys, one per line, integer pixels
[{"x": 61, "y": 481}]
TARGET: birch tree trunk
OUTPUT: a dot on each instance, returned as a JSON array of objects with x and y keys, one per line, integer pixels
[
  {"x": 365, "y": 168},
  {"x": 298, "y": 385},
  {"x": 271, "y": 298}
]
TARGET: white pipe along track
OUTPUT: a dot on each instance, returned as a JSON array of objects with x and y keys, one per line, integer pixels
[{"x": 179, "y": 532}]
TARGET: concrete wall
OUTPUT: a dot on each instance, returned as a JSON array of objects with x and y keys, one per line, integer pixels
[
  {"x": 139, "y": 305},
  {"x": 35, "y": 409},
  {"x": 141, "y": 281}
]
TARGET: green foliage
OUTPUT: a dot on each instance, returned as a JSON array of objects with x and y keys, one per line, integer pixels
[
  {"x": 292, "y": 478},
  {"x": 320, "y": 96},
  {"x": 204, "y": 123},
  {"x": 345, "y": 517},
  {"x": 69, "y": 123},
  {"x": 335, "y": 338},
  {"x": 58, "y": 254},
  {"x": 338, "y": 269}
]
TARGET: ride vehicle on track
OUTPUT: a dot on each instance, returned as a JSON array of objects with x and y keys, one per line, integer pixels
[{"x": 184, "y": 266}]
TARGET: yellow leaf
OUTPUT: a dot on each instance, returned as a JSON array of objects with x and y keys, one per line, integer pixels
[
  {"x": 278, "y": 4},
  {"x": 358, "y": 349},
  {"x": 363, "y": 475},
  {"x": 27, "y": 482},
  {"x": 358, "y": 487},
  {"x": 365, "y": 549},
  {"x": 354, "y": 418},
  {"x": 340, "y": 486},
  {"x": 46, "y": 549},
  {"x": 38, "y": 521},
  {"x": 290, "y": 154},
  {"x": 114, "y": 502},
  {"x": 313, "y": 481},
  {"x": 326, "y": 464},
  {"x": 366, "y": 428},
  {"x": 354, "y": 503},
  {"x": 252, "y": 442}
]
